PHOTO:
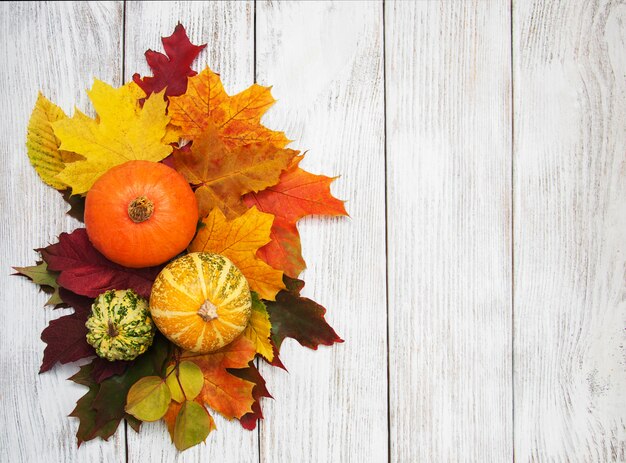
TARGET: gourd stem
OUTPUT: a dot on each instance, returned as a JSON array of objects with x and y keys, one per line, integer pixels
[
  {"x": 112, "y": 331},
  {"x": 207, "y": 311},
  {"x": 140, "y": 209}
]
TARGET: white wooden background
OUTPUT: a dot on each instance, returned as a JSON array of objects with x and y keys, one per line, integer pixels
[{"x": 480, "y": 281}]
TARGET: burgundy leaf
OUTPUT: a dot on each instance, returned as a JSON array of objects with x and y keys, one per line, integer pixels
[
  {"x": 66, "y": 336},
  {"x": 299, "y": 318},
  {"x": 252, "y": 374},
  {"x": 85, "y": 271},
  {"x": 104, "y": 369}
]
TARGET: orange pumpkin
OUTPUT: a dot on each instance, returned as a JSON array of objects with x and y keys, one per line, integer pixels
[
  {"x": 201, "y": 302},
  {"x": 141, "y": 213}
]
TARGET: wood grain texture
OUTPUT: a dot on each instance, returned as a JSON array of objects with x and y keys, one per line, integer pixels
[
  {"x": 325, "y": 62},
  {"x": 229, "y": 30},
  {"x": 57, "y": 48},
  {"x": 570, "y": 224},
  {"x": 448, "y": 179}
]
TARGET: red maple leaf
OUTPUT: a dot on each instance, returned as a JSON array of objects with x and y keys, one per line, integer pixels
[
  {"x": 252, "y": 374},
  {"x": 299, "y": 318},
  {"x": 171, "y": 71},
  {"x": 85, "y": 271},
  {"x": 298, "y": 194},
  {"x": 66, "y": 336}
]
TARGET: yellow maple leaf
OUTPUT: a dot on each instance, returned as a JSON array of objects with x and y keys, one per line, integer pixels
[
  {"x": 43, "y": 146},
  {"x": 237, "y": 118},
  {"x": 123, "y": 131},
  {"x": 259, "y": 329},
  {"x": 239, "y": 239}
]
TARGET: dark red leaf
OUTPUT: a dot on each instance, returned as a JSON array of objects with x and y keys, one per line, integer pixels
[
  {"x": 300, "y": 318},
  {"x": 76, "y": 203},
  {"x": 171, "y": 71},
  {"x": 85, "y": 271},
  {"x": 66, "y": 336},
  {"x": 276, "y": 362},
  {"x": 103, "y": 369},
  {"x": 252, "y": 374}
]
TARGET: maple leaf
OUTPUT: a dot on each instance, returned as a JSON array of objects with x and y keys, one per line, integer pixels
[
  {"x": 239, "y": 239},
  {"x": 65, "y": 337},
  {"x": 122, "y": 132},
  {"x": 297, "y": 194},
  {"x": 83, "y": 270},
  {"x": 299, "y": 318},
  {"x": 41, "y": 275},
  {"x": 237, "y": 118},
  {"x": 225, "y": 393},
  {"x": 223, "y": 176},
  {"x": 252, "y": 374},
  {"x": 171, "y": 70},
  {"x": 259, "y": 329},
  {"x": 76, "y": 203},
  {"x": 104, "y": 369},
  {"x": 43, "y": 146}
]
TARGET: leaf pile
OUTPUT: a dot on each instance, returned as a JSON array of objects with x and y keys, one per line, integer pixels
[{"x": 251, "y": 193}]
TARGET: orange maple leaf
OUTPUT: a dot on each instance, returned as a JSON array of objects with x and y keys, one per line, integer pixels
[
  {"x": 226, "y": 394},
  {"x": 239, "y": 240},
  {"x": 298, "y": 194},
  {"x": 237, "y": 118},
  {"x": 223, "y": 175}
]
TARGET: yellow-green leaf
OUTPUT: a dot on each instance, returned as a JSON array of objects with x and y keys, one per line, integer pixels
[
  {"x": 189, "y": 376},
  {"x": 259, "y": 329},
  {"x": 40, "y": 275},
  {"x": 123, "y": 131},
  {"x": 43, "y": 146},
  {"x": 148, "y": 399},
  {"x": 193, "y": 425}
]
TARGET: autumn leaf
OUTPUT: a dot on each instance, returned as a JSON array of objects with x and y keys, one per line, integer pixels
[
  {"x": 259, "y": 328},
  {"x": 88, "y": 428},
  {"x": 192, "y": 426},
  {"x": 83, "y": 270},
  {"x": 239, "y": 239},
  {"x": 249, "y": 420},
  {"x": 122, "y": 132},
  {"x": 43, "y": 146},
  {"x": 237, "y": 118},
  {"x": 299, "y": 318},
  {"x": 298, "y": 194},
  {"x": 171, "y": 70},
  {"x": 223, "y": 175},
  {"x": 101, "y": 409},
  {"x": 39, "y": 274},
  {"x": 65, "y": 337},
  {"x": 225, "y": 393},
  {"x": 104, "y": 369},
  {"x": 76, "y": 203}
]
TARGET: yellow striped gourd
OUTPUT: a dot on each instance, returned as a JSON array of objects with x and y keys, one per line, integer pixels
[{"x": 201, "y": 302}]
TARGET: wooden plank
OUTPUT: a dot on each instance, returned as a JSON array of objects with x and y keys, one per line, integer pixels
[
  {"x": 57, "y": 48},
  {"x": 324, "y": 60},
  {"x": 228, "y": 28},
  {"x": 448, "y": 176},
  {"x": 570, "y": 224}
]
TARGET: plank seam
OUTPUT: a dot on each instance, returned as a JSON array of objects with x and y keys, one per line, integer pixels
[
  {"x": 384, "y": 53},
  {"x": 512, "y": 233}
]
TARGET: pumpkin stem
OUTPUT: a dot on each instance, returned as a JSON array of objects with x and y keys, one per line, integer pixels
[
  {"x": 207, "y": 311},
  {"x": 140, "y": 209},
  {"x": 112, "y": 332}
]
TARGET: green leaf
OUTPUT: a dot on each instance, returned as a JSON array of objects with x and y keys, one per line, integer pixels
[
  {"x": 47, "y": 279},
  {"x": 193, "y": 425},
  {"x": 189, "y": 376},
  {"x": 148, "y": 399}
]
